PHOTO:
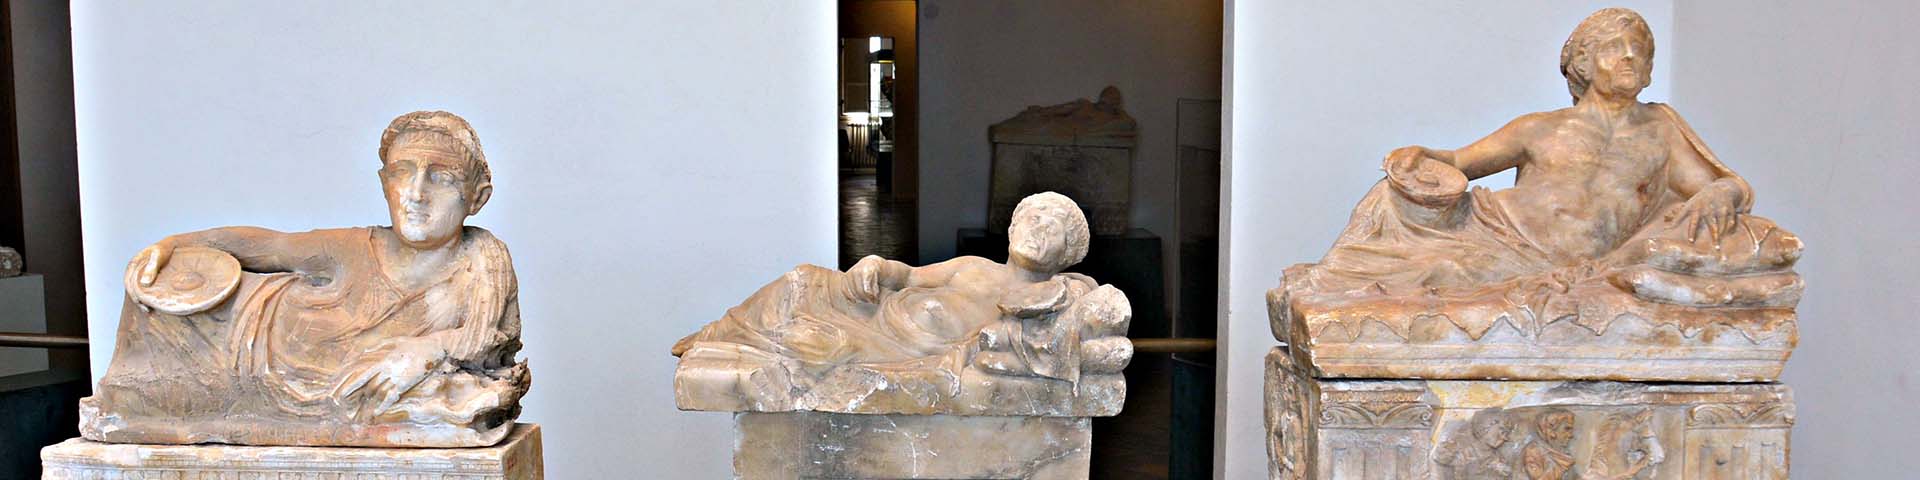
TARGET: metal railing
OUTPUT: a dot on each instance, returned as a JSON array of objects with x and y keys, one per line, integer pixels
[
  {"x": 1174, "y": 345},
  {"x": 41, "y": 340}
]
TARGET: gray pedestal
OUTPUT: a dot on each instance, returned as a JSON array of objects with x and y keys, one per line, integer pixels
[
  {"x": 1482, "y": 429},
  {"x": 809, "y": 445},
  {"x": 516, "y": 458},
  {"x": 23, "y": 309}
]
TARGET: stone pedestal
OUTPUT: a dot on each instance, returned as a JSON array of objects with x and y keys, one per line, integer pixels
[
  {"x": 23, "y": 308},
  {"x": 1405, "y": 429},
  {"x": 516, "y": 458},
  {"x": 800, "y": 445}
]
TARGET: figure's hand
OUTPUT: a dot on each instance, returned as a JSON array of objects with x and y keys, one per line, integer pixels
[
  {"x": 869, "y": 278},
  {"x": 1425, "y": 176},
  {"x": 1403, "y": 161},
  {"x": 1039, "y": 345},
  {"x": 151, "y": 259},
  {"x": 410, "y": 362},
  {"x": 1711, "y": 212}
]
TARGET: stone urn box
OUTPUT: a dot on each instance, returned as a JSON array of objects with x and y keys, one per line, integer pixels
[
  {"x": 1617, "y": 314},
  {"x": 1082, "y": 149}
]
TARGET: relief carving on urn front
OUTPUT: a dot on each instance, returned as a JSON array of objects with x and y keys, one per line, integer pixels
[
  {"x": 1625, "y": 250},
  {"x": 1537, "y": 430},
  {"x": 1537, "y": 444}
]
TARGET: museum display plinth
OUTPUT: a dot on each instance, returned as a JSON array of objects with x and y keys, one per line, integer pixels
[
  {"x": 852, "y": 446},
  {"x": 1400, "y": 429},
  {"x": 516, "y": 458}
]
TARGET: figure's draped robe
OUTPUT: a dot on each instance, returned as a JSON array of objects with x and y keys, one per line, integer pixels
[
  {"x": 272, "y": 364},
  {"x": 804, "y": 342},
  {"x": 810, "y": 315}
]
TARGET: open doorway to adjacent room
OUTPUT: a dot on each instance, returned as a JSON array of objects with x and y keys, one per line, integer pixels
[
  {"x": 43, "y": 312},
  {"x": 878, "y": 107},
  {"x": 953, "y": 110}
]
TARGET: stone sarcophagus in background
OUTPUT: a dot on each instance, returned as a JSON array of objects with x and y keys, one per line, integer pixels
[
  {"x": 962, "y": 369},
  {"x": 1479, "y": 334},
  {"x": 1081, "y": 149}
]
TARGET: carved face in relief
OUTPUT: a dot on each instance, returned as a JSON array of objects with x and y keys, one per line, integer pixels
[
  {"x": 1492, "y": 428},
  {"x": 1048, "y": 233},
  {"x": 1556, "y": 427},
  {"x": 429, "y": 191}
]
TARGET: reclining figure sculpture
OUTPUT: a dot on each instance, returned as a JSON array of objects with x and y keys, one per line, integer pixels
[
  {"x": 1623, "y": 251},
  {"x": 967, "y": 336},
  {"x": 400, "y": 336}
]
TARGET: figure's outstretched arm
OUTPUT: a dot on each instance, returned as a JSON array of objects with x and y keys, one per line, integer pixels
[
  {"x": 1501, "y": 150},
  {"x": 257, "y": 249}
]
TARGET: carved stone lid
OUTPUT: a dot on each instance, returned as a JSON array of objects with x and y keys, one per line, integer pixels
[{"x": 1102, "y": 123}]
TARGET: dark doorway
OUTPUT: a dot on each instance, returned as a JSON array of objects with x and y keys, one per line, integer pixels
[
  {"x": 40, "y": 386},
  {"x": 879, "y": 105},
  {"x": 1116, "y": 104}
]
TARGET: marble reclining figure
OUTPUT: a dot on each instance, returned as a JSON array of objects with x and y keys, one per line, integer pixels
[
  {"x": 965, "y": 337},
  {"x": 401, "y": 336},
  {"x": 1625, "y": 250}
]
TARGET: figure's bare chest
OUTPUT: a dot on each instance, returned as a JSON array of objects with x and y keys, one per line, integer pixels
[
  {"x": 1581, "y": 153},
  {"x": 985, "y": 280}
]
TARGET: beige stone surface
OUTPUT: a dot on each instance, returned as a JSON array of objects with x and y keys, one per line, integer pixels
[
  {"x": 1102, "y": 121},
  {"x": 1082, "y": 149},
  {"x": 965, "y": 337},
  {"x": 1476, "y": 429},
  {"x": 517, "y": 457},
  {"x": 376, "y": 336},
  {"x": 1624, "y": 251},
  {"x": 845, "y": 446}
]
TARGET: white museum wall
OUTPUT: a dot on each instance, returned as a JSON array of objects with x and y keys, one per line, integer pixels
[
  {"x": 1815, "y": 104},
  {"x": 654, "y": 163},
  {"x": 982, "y": 62},
  {"x": 1319, "y": 92}
]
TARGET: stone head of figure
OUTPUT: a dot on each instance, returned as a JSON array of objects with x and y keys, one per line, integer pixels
[
  {"x": 1610, "y": 52},
  {"x": 1491, "y": 427},
  {"x": 1556, "y": 427},
  {"x": 434, "y": 176},
  {"x": 1110, "y": 99},
  {"x": 1048, "y": 233}
]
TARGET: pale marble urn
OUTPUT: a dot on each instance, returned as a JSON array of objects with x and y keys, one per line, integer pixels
[
  {"x": 370, "y": 352},
  {"x": 1472, "y": 333},
  {"x": 961, "y": 369}
]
